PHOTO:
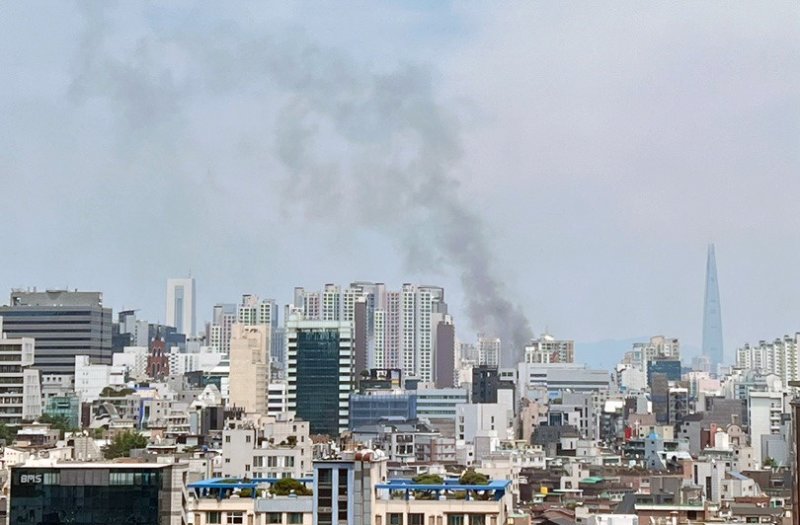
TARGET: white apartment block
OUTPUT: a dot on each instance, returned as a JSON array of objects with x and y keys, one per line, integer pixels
[
  {"x": 489, "y": 349},
  {"x": 765, "y": 412},
  {"x": 659, "y": 347},
  {"x": 133, "y": 359},
  {"x": 223, "y": 318},
  {"x": 184, "y": 362},
  {"x": 548, "y": 349},
  {"x": 91, "y": 379},
  {"x": 20, "y": 385},
  {"x": 270, "y": 447},
  {"x": 253, "y": 310},
  {"x": 778, "y": 357},
  {"x": 485, "y": 419}
]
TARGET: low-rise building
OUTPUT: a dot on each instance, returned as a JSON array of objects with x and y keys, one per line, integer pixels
[
  {"x": 98, "y": 493},
  {"x": 246, "y": 501}
]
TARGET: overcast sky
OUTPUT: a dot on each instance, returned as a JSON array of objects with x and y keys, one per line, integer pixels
[{"x": 582, "y": 154}]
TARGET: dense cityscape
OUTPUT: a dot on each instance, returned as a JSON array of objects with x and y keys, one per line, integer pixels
[{"x": 358, "y": 404}]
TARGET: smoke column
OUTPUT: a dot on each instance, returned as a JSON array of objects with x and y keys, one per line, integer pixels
[{"x": 360, "y": 148}]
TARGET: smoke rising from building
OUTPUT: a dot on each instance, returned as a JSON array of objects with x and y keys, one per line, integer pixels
[{"x": 360, "y": 148}]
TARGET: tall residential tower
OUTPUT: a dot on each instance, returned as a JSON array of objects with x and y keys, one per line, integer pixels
[{"x": 712, "y": 314}]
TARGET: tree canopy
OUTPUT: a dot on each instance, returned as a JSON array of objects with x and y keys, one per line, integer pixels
[
  {"x": 284, "y": 487},
  {"x": 123, "y": 443},
  {"x": 113, "y": 392},
  {"x": 59, "y": 422},
  {"x": 428, "y": 479},
  {"x": 471, "y": 477},
  {"x": 7, "y": 433}
]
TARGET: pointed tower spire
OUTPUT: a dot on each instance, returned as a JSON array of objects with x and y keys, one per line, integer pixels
[{"x": 712, "y": 314}]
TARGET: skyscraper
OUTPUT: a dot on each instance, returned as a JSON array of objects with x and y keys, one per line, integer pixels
[
  {"x": 712, "y": 314},
  {"x": 320, "y": 372},
  {"x": 181, "y": 305},
  {"x": 249, "y": 368}
]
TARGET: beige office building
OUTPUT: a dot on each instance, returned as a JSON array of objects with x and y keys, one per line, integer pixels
[{"x": 249, "y": 367}]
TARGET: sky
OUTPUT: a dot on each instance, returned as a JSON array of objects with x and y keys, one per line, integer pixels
[{"x": 569, "y": 161}]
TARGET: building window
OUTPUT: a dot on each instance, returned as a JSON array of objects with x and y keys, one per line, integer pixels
[
  {"x": 274, "y": 517},
  {"x": 416, "y": 519},
  {"x": 295, "y": 518},
  {"x": 395, "y": 519},
  {"x": 213, "y": 517},
  {"x": 477, "y": 519},
  {"x": 455, "y": 519},
  {"x": 227, "y": 439},
  {"x": 235, "y": 518}
]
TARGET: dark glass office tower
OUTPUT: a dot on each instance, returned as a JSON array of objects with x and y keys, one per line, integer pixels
[
  {"x": 320, "y": 373},
  {"x": 712, "y": 315}
]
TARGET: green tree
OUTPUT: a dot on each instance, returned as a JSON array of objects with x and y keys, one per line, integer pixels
[
  {"x": 112, "y": 392},
  {"x": 7, "y": 433},
  {"x": 284, "y": 486},
  {"x": 122, "y": 444},
  {"x": 471, "y": 477},
  {"x": 59, "y": 422},
  {"x": 428, "y": 479}
]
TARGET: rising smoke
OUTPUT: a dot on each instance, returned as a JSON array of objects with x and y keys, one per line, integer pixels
[{"x": 359, "y": 147}]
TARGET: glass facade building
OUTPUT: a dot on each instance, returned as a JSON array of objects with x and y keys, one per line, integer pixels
[
  {"x": 320, "y": 373},
  {"x": 671, "y": 368},
  {"x": 68, "y": 407},
  {"x": 96, "y": 494},
  {"x": 368, "y": 409},
  {"x": 317, "y": 380}
]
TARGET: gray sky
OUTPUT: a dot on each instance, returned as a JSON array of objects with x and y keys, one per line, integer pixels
[{"x": 583, "y": 155}]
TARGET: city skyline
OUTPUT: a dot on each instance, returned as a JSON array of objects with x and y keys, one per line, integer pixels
[{"x": 596, "y": 179}]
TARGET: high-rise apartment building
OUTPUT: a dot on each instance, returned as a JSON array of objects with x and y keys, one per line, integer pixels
[
  {"x": 20, "y": 386},
  {"x": 779, "y": 357},
  {"x": 181, "y": 305},
  {"x": 253, "y": 310},
  {"x": 489, "y": 351},
  {"x": 444, "y": 351},
  {"x": 406, "y": 325},
  {"x": 548, "y": 349},
  {"x": 222, "y": 320},
  {"x": 658, "y": 348},
  {"x": 64, "y": 324},
  {"x": 764, "y": 413},
  {"x": 249, "y": 367},
  {"x": 392, "y": 329},
  {"x": 320, "y": 372},
  {"x": 712, "y": 314}
]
